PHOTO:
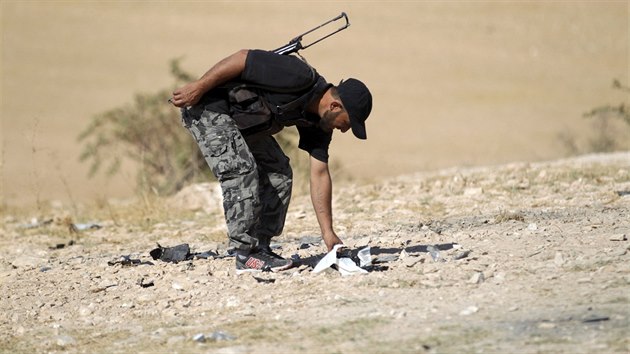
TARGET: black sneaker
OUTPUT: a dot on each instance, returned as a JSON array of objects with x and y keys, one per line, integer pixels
[{"x": 261, "y": 260}]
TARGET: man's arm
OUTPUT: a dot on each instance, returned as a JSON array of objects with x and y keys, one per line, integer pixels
[
  {"x": 321, "y": 196},
  {"x": 225, "y": 70}
]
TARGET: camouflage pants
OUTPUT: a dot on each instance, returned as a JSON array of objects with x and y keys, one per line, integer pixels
[{"x": 255, "y": 176}]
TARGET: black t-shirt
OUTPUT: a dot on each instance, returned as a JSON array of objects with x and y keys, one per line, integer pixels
[{"x": 283, "y": 72}]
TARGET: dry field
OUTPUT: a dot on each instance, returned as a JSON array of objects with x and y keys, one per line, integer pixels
[
  {"x": 533, "y": 258},
  {"x": 460, "y": 83},
  {"x": 476, "y": 104}
]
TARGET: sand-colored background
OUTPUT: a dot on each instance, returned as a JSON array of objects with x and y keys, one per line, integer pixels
[{"x": 454, "y": 83}]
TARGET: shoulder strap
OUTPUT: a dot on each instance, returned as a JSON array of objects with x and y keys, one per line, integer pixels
[{"x": 299, "y": 102}]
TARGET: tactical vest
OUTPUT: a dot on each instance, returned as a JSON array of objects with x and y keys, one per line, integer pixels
[{"x": 253, "y": 113}]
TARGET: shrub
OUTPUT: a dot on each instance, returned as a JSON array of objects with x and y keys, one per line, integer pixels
[
  {"x": 610, "y": 129},
  {"x": 606, "y": 137},
  {"x": 149, "y": 134}
]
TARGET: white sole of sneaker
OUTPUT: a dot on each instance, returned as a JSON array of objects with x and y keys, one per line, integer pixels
[{"x": 248, "y": 271}]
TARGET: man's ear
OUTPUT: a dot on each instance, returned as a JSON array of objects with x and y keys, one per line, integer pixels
[{"x": 335, "y": 106}]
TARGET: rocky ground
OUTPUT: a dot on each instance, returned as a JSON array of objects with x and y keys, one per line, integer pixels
[{"x": 521, "y": 258}]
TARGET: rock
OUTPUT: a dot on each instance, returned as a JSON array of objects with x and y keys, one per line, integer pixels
[
  {"x": 24, "y": 261},
  {"x": 461, "y": 255},
  {"x": 546, "y": 325},
  {"x": 473, "y": 191},
  {"x": 181, "y": 284},
  {"x": 532, "y": 227},
  {"x": 477, "y": 278},
  {"x": 558, "y": 260},
  {"x": 19, "y": 331},
  {"x": 220, "y": 336},
  {"x": 86, "y": 310},
  {"x": 363, "y": 242},
  {"x": 469, "y": 311},
  {"x": 202, "y": 196},
  {"x": 232, "y": 301},
  {"x": 64, "y": 340}
]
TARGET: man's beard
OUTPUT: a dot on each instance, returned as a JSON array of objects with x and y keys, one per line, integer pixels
[{"x": 327, "y": 121}]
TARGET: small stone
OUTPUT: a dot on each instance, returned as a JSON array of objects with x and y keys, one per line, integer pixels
[
  {"x": 532, "y": 227},
  {"x": 473, "y": 191},
  {"x": 19, "y": 331},
  {"x": 180, "y": 284},
  {"x": 85, "y": 311},
  {"x": 546, "y": 325},
  {"x": 24, "y": 261},
  {"x": 461, "y": 255},
  {"x": 145, "y": 283},
  {"x": 221, "y": 336},
  {"x": 64, "y": 341},
  {"x": 199, "y": 337},
  {"x": 477, "y": 278},
  {"x": 558, "y": 260},
  {"x": 363, "y": 242},
  {"x": 469, "y": 311},
  {"x": 232, "y": 301}
]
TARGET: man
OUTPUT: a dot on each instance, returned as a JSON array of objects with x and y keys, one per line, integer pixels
[{"x": 254, "y": 173}]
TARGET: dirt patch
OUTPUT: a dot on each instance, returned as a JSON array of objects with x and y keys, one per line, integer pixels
[{"x": 532, "y": 258}]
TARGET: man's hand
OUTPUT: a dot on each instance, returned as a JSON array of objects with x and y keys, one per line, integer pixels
[
  {"x": 331, "y": 239},
  {"x": 187, "y": 95},
  {"x": 223, "y": 71}
]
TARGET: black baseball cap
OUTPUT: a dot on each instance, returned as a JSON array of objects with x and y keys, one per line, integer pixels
[{"x": 357, "y": 100}]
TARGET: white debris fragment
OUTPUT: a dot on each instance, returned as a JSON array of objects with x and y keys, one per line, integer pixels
[{"x": 346, "y": 266}]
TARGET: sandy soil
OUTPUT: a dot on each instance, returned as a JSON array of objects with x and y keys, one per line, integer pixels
[
  {"x": 533, "y": 258},
  {"x": 544, "y": 245},
  {"x": 455, "y": 83}
]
